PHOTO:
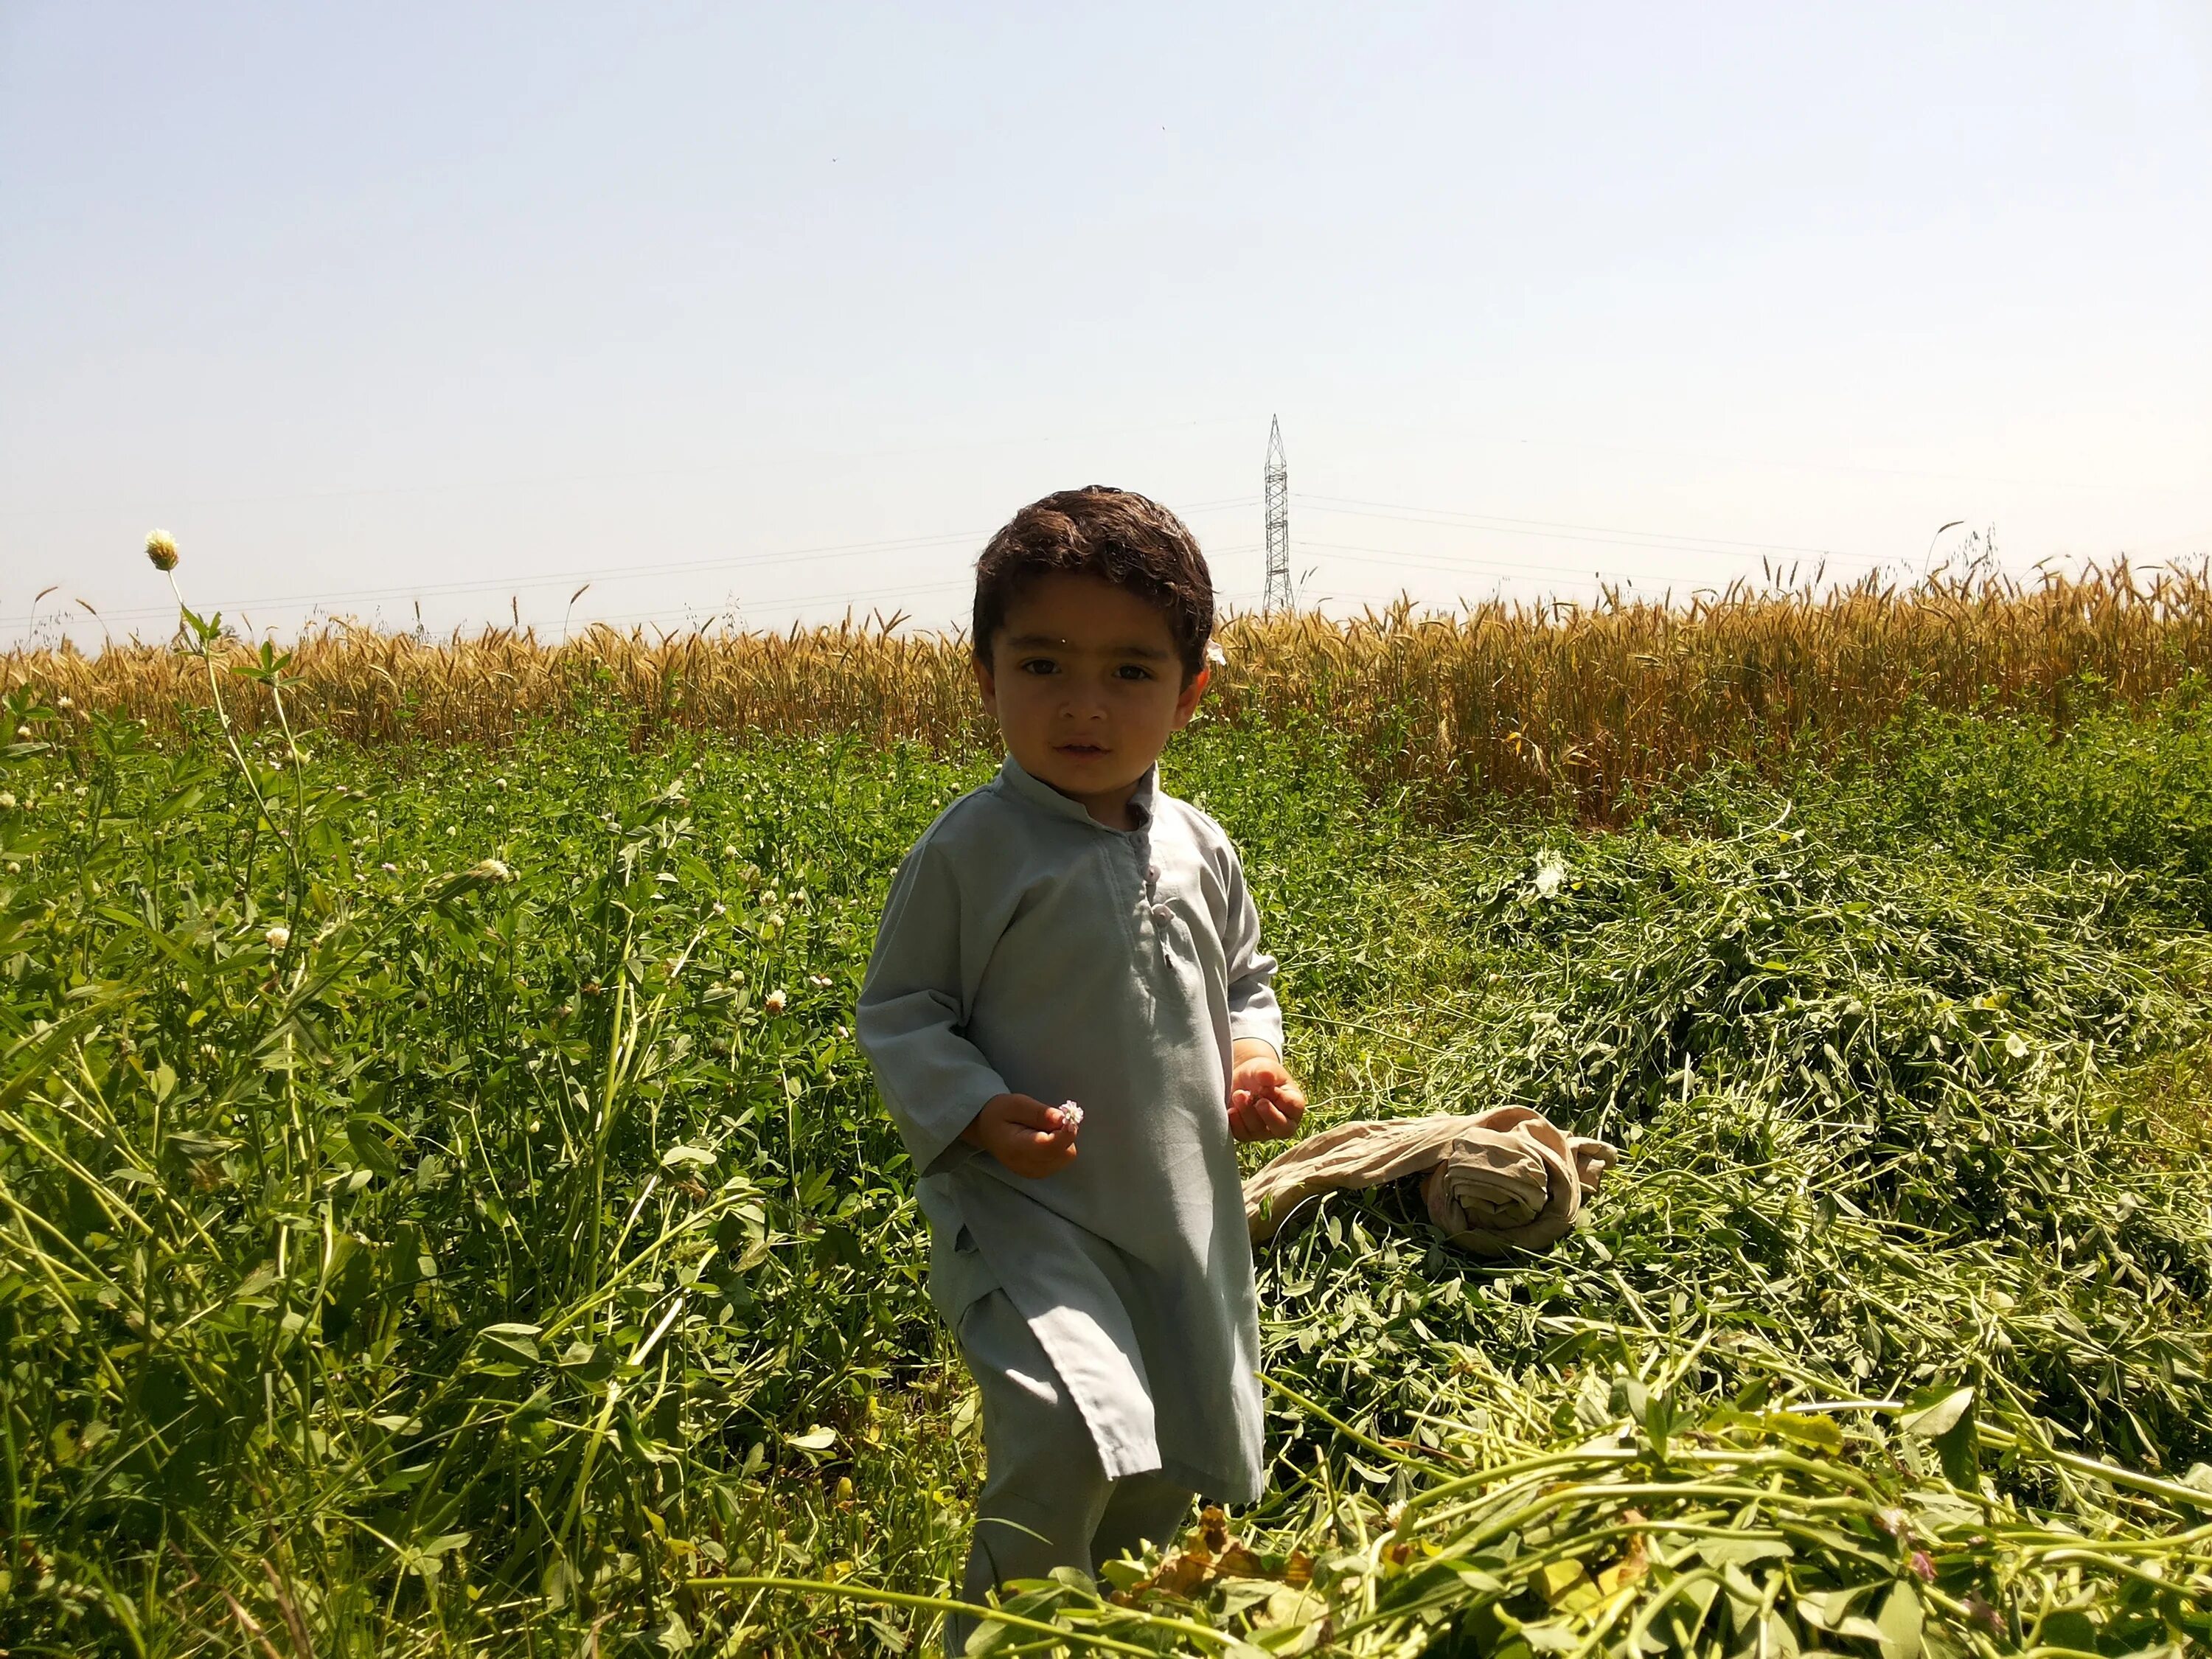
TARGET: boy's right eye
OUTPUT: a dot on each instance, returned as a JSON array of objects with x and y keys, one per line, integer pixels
[{"x": 1039, "y": 666}]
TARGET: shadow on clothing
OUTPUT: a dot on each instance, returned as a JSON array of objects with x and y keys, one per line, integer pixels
[{"x": 1046, "y": 1501}]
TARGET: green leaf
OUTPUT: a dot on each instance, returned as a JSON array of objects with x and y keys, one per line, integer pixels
[
  {"x": 1629, "y": 1399},
  {"x": 1122, "y": 1575},
  {"x": 1819, "y": 1433},
  {"x": 817, "y": 1438},
  {"x": 1900, "y": 1623},
  {"x": 1945, "y": 1418},
  {"x": 1741, "y": 1551},
  {"x": 586, "y": 1362},
  {"x": 515, "y": 1339},
  {"x": 1936, "y": 1411},
  {"x": 1776, "y": 1637},
  {"x": 1829, "y": 1609},
  {"x": 369, "y": 1147}
]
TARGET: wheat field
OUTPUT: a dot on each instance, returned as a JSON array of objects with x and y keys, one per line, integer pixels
[{"x": 1584, "y": 708}]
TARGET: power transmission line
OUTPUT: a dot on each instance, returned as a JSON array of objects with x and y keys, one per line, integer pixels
[
  {"x": 1450, "y": 563},
  {"x": 562, "y": 578},
  {"x": 902, "y": 593},
  {"x": 1553, "y": 530},
  {"x": 604, "y": 573}
]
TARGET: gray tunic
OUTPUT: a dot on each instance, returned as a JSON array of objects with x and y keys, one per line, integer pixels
[{"x": 1027, "y": 948}]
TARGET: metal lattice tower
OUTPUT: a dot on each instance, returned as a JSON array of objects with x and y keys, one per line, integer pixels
[{"x": 1279, "y": 523}]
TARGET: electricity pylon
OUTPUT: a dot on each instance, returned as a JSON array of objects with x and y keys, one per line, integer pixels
[{"x": 1279, "y": 523}]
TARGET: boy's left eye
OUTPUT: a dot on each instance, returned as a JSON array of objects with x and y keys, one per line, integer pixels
[{"x": 1132, "y": 671}]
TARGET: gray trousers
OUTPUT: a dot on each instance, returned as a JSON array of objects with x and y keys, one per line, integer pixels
[{"x": 1047, "y": 1502}]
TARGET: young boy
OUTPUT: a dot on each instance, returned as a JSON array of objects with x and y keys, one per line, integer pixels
[{"x": 1071, "y": 1021}]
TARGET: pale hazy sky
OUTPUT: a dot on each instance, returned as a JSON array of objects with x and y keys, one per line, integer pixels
[{"x": 782, "y": 308}]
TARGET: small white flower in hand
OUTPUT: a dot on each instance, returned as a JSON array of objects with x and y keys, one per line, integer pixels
[{"x": 1071, "y": 1115}]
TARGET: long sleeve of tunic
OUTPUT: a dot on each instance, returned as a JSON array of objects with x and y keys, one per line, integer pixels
[{"x": 1027, "y": 948}]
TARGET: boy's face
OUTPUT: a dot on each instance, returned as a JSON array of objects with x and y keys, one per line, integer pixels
[{"x": 1086, "y": 685}]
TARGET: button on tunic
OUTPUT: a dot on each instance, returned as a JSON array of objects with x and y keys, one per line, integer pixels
[{"x": 1027, "y": 948}]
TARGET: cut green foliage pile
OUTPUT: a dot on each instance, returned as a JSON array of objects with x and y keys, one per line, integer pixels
[
  {"x": 1834, "y": 1527},
  {"x": 442, "y": 1209},
  {"x": 1875, "y": 1129}
]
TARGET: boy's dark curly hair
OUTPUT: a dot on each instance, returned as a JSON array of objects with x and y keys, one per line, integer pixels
[{"x": 1124, "y": 538}]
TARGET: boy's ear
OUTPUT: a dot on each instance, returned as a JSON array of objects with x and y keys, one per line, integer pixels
[
  {"x": 988, "y": 683},
  {"x": 1186, "y": 704}
]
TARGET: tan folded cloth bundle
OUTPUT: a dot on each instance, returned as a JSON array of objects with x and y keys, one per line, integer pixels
[{"x": 1500, "y": 1181}]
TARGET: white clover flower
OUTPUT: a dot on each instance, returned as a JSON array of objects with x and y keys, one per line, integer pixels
[
  {"x": 279, "y": 937},
  {"x": 720, "y": 909},
  {"x": 1071, "y": 1115},
  {"x": 161, "y": 550},
  {"x": 491, "y": 870},
  {"x": 64, "y": 703},
  {"x": 1215, "y": 654},
  {"x": 389, "y": 869},
  {"x": 775, "y": 1001},
  {"x": 22, "y": 734},
  {"x": 7, "y": 800}
]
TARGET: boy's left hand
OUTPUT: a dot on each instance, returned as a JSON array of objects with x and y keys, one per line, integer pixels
[{"x": 1265, "y": 1102}]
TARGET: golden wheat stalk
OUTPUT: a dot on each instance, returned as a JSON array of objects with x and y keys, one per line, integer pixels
[{"x": 1586, "y": 708}]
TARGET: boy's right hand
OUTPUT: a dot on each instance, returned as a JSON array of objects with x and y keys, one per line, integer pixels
[{"x": 1028, "y": 1137}]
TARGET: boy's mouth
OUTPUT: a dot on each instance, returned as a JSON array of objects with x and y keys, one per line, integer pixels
[{"x": 1078, "y": 750}]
